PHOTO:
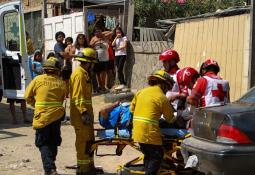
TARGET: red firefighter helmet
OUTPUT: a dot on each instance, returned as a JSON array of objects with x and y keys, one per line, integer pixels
[
  {"x": 210, "y": 62},
  {"x": 186, "y": 76},
  {"x": 168, "y": 55}
]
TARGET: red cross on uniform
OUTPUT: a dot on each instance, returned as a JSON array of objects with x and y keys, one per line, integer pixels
[{"x": 220, "y": 93}]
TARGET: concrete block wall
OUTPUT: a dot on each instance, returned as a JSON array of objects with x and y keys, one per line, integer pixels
[{"x": 143, "y": 59}]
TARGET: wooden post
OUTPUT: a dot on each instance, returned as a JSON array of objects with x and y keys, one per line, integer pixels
[
  {"x": 251, "y": 80},
  {"x": 85, "y": 19},
  {"x": 44, "y": 15},
  {"x": 130, "y": 22}
]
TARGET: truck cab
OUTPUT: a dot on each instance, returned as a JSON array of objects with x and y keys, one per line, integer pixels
[{"x": 14, "y": 70}]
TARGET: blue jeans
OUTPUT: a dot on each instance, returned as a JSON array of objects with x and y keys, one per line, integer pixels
[{"x": 48, "y": 139}]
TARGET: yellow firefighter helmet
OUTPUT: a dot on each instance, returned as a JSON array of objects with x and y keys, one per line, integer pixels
[
  {"x": 51, "y": 63},
  {"x": 87, "y": 55},
  {"x": 163, "y": 76}
]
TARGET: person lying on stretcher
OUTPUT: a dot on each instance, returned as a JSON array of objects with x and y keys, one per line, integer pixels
[{"x": 116, "y": 117}]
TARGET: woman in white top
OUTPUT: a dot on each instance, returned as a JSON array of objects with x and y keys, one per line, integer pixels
[
  {"x": 120, "y": 45},
  {"x": 100, "y": 42},
  {"x": 80, "y": 43}
]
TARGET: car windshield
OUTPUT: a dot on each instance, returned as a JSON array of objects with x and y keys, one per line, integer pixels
[{"x": 249, "y": 97}]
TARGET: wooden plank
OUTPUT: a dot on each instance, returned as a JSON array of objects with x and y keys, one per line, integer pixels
[
  {"x": 191, "y": 57},
  {"x": 145, "y": 35},
  {"x": 196, "y": 45},
  {"x": 215, "y": 26},
  {"x": 231, "y": 59},
  {"x": 155, "y": 36},
  {"x": 246, "y": 51},
  {"x": 157, "y": 29},
  {"x": 142, "y": 34},
  {"x": 149, "y": 35},
  {"x": 131, "y": 13},
  {"x": 188, "y": 43},
  {"x": 238, "y": 42},
  {"x": 219, "y": 41},
  {"x": 86, "y": 31},
  {"x": 160, "y": 36}
]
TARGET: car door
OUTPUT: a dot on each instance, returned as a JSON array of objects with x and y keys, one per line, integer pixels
[{"x": 13, "y": 57}]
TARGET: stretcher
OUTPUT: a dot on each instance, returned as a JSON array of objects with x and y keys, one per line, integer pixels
[
  {"x": 121, "y": 137},
  {"x": 113, "y": 137},
  {"x": 172, "y": 138},
  {"x": 117, "y": 131},
  {"x": 172, "y": 161}
]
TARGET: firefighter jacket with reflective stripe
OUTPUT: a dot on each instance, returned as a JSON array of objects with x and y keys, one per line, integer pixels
[
  {"x": 81, "y": 94},
  {"x": 46, "y": 93},
  {"x": 147, "y": 107}
]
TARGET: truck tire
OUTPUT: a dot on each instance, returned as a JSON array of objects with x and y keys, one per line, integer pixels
[{"x": 113, "y": 97}]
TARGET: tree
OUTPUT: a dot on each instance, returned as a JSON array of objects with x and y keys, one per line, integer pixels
[{"x": 148, "y": 11}]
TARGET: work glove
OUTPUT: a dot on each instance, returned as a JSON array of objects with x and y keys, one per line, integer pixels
[{"x": 87, "y": 119}]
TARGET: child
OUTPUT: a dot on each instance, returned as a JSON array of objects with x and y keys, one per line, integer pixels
[
  {"x": 37, "y": 64},
  {"x": 51, "y": 54},
  {"x": 120, "y": 44},
  {"x": 70, "y": 51}
]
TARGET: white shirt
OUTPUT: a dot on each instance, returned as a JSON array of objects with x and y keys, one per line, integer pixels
[
  {"x": 75, "y": 62},
  {"x": 120, "y": 42},
  {"x": 102, "y": 51}
]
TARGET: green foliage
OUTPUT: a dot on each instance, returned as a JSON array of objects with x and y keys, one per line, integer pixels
[{"x": 148, "y": 11}]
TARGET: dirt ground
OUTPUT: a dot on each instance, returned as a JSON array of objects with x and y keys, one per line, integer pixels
[{"x": 19, "y": 156}]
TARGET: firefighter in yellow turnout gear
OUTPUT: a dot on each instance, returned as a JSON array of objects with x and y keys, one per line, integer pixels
[
  {"x": 81, "y": 111},
  {"x": 147, "y": 107},
  {"x": 46, "y": 93}
]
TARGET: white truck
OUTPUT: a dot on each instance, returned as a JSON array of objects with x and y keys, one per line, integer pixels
[{"x": 14, "y": 69}]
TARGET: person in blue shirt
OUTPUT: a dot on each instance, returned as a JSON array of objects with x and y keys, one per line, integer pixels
[{"x": 37, "y": 64}]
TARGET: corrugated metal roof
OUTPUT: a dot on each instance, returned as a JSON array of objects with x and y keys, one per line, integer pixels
[{"x": 219, "y": 13}]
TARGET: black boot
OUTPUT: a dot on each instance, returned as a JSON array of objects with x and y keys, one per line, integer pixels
[
  {"x": 87, "y": 173},
  {"x": 52, "y": 172}
]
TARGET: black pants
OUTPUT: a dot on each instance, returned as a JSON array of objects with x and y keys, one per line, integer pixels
[
  {"x": 120, "y": 62},
  {"x": 153, "y": 156},
  {"x": 48, "y": 139}
]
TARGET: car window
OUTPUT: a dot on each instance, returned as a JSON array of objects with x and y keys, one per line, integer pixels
[
  {"x": 249, "y": 97},
  {"x": 11, "y": 31}
]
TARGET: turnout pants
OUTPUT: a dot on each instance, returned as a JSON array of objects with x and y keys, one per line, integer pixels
[
  {"x": 85, "y": 158},
  {"x": 153, "y": 156},
  {"x": 48, "y": 139}
]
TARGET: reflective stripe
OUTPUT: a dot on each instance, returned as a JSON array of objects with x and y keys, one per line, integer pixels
[
  {"x": 44, "y": 103},
  {"x": 81, "y": 101},
  {"x": 146, "y": 120},
  {"x": 83, "y": 162}
]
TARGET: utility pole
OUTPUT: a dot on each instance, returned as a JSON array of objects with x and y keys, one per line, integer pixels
[
  {"x": 251, "y": 81},
  {"x": 44, "y": 15},
  {"x": 44, "y": 9}
]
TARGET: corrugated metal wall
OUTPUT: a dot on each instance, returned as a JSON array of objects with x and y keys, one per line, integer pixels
[{"x": 225, "y": 39}]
